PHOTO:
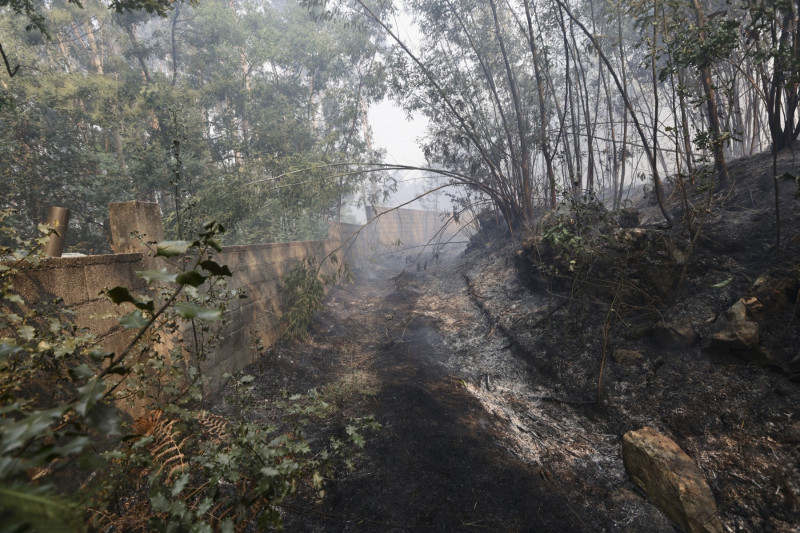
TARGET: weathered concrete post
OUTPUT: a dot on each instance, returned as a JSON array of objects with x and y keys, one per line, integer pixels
[
  {"x": 133, "y": 224},
  {"x": 58, "y": 219}
]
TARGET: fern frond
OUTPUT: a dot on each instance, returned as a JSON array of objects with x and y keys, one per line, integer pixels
[{"x": 214, "y": 427}]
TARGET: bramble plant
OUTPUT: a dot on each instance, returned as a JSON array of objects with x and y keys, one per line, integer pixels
[{"x": 71, "y": 457}]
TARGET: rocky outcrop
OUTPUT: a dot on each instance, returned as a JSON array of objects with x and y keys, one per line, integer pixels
[{"x": 672, "y": 481}]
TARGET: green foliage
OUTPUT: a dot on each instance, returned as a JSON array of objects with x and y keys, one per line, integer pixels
[
  {"x": 71, "y": 456},
  {"x": 304, "y": 291},
  {"x": 572, "y": 233},
  {"x": 237, "y": 128}
]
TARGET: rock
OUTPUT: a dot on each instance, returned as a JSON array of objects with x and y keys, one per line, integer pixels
[
  {"x": 679, "y": 334},
  {"x": 734, "y": 332},
  {"x": 626, "y": 357},
  {"x": 792, "y": 435},
  {"x": 672, "y": 481}
]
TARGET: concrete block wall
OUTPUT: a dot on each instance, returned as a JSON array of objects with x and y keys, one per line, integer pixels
[
  {"x": 257, "y": 270},
  {"x": 397, "y": 233},
  {"x": 410, "y": 227},
  {"x": 79, "y": 283}
]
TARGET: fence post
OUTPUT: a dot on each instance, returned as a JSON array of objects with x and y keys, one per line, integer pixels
[
  {"x": 133, "y": 225},
  {"x": 58, "y": 219}
]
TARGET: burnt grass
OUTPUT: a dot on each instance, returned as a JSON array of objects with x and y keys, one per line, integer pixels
[{"x": 486, "y": 385}]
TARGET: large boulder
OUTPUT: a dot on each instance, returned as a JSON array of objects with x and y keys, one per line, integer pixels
[{"x": 672, "y": 481}]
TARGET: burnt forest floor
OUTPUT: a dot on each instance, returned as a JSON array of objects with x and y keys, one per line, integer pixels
[{"x": 486, "y": 388}]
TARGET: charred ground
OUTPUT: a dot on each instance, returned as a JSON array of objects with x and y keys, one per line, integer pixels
[{"x": 505, "y": 378}]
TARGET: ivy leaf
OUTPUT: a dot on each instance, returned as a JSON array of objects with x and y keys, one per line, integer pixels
[
  {"x": 226, "y": 526},
  {"x": 160, "y": 503},
  {"x": 192, "y": 277},
  {"x": 134, "y": 320},
  {"x": 162, "y": 274},
  {"x": 215, "y": 269},
  {"x": 189, "y": 310},
  {"x": 72, "y": 446},
  {"x": 172, "y": 248},
  {"x": 98, "y": 354}
]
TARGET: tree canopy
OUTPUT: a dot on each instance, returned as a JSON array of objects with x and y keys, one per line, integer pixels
[{"x": 221, "y": 110}]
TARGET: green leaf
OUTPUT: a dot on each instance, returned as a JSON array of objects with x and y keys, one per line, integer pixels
[
  {"x": 98, "y": 354},
  {"x": 90, "y": 394},
  {"x": 357, "y": 439},
  {"x": 247, "y": 378},
  {"x": 189, "y": 310},
  {"x": 134, "y": 320},
  {"x": 215, "y": 269},
  {"x": 104, "y": 418},
  {"x": 120, "y": 295},
  {"x": 162, "y": 274},
  {"x": 172, "y": 248},
  {"x": 40, "y": 509},
  {"x": 16, "y": 434},
  {"x": 26, "y": 332},
  {"x": 8, "y": 347},
  {"x": 192, "y": 277},
  {"x": 160, "y": 503},
  {"x": 81, "y": 372},
  {"x": 722, "y": 283},
  {"x": 226, "y": 526},
  {"x": 180, "y": 483},
  {"x": 66, "y": 447}
]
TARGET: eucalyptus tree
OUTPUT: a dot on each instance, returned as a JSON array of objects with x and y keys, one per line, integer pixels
[{"x": 207, "y": 111}]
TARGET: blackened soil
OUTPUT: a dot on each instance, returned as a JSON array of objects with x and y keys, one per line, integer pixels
[{"x": 412, "y": 349}]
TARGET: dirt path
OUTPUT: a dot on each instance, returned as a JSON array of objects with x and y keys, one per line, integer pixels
[{"x": 468, "y": 443}]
